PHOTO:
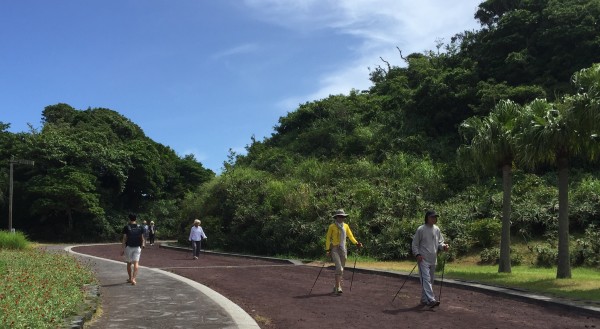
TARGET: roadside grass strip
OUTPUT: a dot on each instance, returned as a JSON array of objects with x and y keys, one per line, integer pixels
[
  {"x": 40, "y": 289},
  {"x": 584, "y": 284}
]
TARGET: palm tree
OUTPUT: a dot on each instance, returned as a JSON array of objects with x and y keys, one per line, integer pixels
[
  {"x": 556, "y": 132},
  {"x": 491, "y": 145}
]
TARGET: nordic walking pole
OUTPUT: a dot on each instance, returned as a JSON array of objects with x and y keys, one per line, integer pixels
[
  {"x": 318, "y": 275},
  {"x": 442, "y": 282},
  {"x": 353, "y": 270},
  {"x": 404, "y": 282}
]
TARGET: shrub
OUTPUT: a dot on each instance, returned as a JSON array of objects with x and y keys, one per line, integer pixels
[
  {"x": 460, "y": 245},
  {"x": 584, "y": 203},
  {"x": 490, "y": 256},
  {"x": 13, "y": 240},
  {"x": 534, "y": 204},
  {"x": 516, "y": 258},
  {"x": 395, "y": 240},
  {"x": 587, "y": 249},
  {"x": 486, "y": 232},
  {"x": 442, "y": 258},
  {"x": 546, "y": 256}
]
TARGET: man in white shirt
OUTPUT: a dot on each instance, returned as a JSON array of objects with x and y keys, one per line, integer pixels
[
  {"x": 427, "y": 241},
  {"x": 196, "y": 236}
]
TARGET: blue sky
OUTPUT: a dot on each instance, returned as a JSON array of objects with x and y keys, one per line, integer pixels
[{"x": 205, "y": 76}]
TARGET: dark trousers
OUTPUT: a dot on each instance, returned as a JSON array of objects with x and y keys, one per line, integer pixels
[
  {"x": 152, "y": 238},
  {"x": 196, "y": 247}
]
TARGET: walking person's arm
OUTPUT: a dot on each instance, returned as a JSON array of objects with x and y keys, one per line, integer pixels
[
  {"x": 416, "y": 242},
  {"x": 328, "y": 239},
  {"x": 441, "y": 244},
  {"x": 351, "y": 236}
]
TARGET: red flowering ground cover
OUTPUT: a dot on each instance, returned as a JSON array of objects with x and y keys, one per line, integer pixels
[{"x": 277, "y": 296}]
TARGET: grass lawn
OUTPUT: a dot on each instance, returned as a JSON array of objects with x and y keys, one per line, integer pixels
[{"x": 584, "y": 283}]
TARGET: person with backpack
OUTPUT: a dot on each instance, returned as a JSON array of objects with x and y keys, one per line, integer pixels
[
  {"x": 196, "y": 237},
  {"x": 133, "y": 242}
]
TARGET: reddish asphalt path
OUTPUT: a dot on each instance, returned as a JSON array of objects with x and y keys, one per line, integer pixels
[{"x": 277, "y": 296}]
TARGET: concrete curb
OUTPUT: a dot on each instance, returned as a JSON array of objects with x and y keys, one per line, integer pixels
[{"x": 92, "y": 301}]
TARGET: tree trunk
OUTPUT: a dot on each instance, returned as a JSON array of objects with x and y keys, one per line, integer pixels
[
  {"x": 504, "y": 265},
  {"x": 69, "y": 220},
  {"x": 564, "y": 262}
]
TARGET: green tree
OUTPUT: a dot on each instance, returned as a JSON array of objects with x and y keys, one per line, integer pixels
[
  {"x": 535, "y": 42},
  {"x": 63, "y": 191},
  {"x": 94, "y": 166},
  {"x": 556, "y": 133},
  {"x": 331, "y": 126},
  {"x": 491, "y": 144},
  {"x": 490, "y": 11},
  {"x": 5, "y": 138}
]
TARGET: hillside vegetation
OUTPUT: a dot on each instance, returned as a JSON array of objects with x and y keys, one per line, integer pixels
[{"x": 497, "y": 129}]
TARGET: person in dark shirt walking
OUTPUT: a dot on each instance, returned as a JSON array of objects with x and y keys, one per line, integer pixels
[{"x": 133, "y": 242}]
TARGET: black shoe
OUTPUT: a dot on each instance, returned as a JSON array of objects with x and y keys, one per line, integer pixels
[{"x": 433, "y": 304}]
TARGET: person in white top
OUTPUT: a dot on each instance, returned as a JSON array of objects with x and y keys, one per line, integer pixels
[
  {"x": 196, "y": 236},
  {"x": 428, "y": 240}
]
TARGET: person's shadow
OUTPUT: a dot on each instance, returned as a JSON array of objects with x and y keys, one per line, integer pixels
[
  {"x": 330, "y": 294},
  {"x": 416, "y": 308}
]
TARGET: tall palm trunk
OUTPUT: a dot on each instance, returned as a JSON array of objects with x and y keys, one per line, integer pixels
[
  {"x": 564, "y": 263},
  {"x": 504, "y": 265}
]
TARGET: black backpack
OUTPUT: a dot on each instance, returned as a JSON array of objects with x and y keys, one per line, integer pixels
[{"x": 135, "y": 235}]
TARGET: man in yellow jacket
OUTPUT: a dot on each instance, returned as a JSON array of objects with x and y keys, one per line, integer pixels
[{"x": 335, "y": 245}]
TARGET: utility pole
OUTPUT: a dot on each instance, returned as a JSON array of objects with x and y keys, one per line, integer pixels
[{"x": 10, "y": 189}]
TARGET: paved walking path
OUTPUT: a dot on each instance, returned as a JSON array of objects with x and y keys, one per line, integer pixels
[{"x": 164, "y": 300}]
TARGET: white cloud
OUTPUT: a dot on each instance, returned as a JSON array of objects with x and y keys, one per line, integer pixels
[{"x": 381, "y": 25}]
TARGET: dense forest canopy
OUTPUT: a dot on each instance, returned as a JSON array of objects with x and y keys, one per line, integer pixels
[
  {"x": 92, "y": 167},
  {"x": 416, "y": 139}
]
